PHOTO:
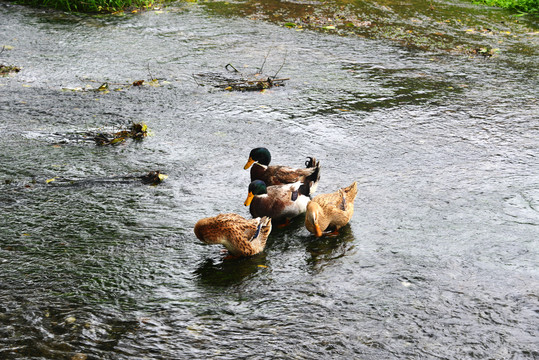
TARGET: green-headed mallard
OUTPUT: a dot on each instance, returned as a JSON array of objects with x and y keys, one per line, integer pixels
[
  {"x": 279, "y": 202},
  {"x": 331, "y": 211},
  {"x": 240, "y": 236},
  {"x": 259, "y": 159}
]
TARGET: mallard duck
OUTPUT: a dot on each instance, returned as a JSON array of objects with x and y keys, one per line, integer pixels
[
  {"x": 280, "y": 202},
  {"x": 331, "y": 211},
  {"x": 240, "y": 236},
  {"x": 259, "y": 159}
]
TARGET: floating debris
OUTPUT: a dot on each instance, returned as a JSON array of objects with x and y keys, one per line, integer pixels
[
  {"x": 137, "y": 131},
  {"x": 234, "y": 80},
  {"x": 107, "y": 87},
  {"x": 153, "y": 178},
  {"x": 48, "y": 181},
  {"x": 102, "y": 139},
  {"x": 486, "y": 51},
  {"x": 109, "y": 135},
  {"x": 8, "y": 69}
]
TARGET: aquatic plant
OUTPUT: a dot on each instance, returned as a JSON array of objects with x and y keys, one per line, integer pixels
[
  {"x": 7, "y": 69},
  {"x": 91, "y": 6},
  {"x": 137, "y": 131},
  {"x": 526, "y": 6}
]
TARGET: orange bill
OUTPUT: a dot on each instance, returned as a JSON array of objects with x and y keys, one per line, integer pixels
[
  {"x": 249, "y": 163},
  {"x": 249, "y": 199},
  {"x": 318, "y": 231}
]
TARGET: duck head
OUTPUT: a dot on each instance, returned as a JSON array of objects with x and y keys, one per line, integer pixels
[
  {"x": 312, "y": 218},
  {"x": 257, "y": 187},
  {"x": 259, "y": 155}
]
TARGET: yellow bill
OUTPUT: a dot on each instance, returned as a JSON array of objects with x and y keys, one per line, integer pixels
[
  {"x": 249, "y": 199},
  {"x": 249, "y": 163},
  {"x": 318, "y": 231}
]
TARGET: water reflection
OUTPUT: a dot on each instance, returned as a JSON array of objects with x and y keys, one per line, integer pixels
[
  {"x": 226, "y": 272},
  {"x": 292, "y": 242},
  {"x": 326, "y": 249}
]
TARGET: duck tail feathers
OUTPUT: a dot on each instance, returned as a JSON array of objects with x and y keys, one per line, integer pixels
[
  {"x": 351, "y": 191},
  {"x": 313, "y": 178},
  {"x": 263, "y": 229},
  {"x": 311, "y": 162}
]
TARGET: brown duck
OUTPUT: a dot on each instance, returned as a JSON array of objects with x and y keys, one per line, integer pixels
[
  {"x": 240, "y": 236},
  {"x": 331, "y": 211}
]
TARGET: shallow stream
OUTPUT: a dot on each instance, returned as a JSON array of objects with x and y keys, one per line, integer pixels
[{"x": 439, "y": 261}]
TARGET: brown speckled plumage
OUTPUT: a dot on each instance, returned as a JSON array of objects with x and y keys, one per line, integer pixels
[
  {"x": 235, "y": 232},
  {"x": 331, "y": 211}
]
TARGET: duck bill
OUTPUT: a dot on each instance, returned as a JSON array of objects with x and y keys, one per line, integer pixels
[
  {"x": 249, "y": 163},
  {"x": 249, "y": 199},
  {"x": 317, "y": 230}
]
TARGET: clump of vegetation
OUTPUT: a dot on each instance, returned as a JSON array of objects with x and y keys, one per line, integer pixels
[
  {"x": 92, "y": 6},
  {"x": 7, "y": 69},
  {"x": 104, "y": 136},
  {"x": 485, "y": 51},
  {"x": 137, "y": 131},
  {"x": 526, "y": 6},
  {"x": 153, "y": 178}
]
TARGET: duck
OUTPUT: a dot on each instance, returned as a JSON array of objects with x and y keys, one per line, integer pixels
[
  {"x": 259, "y": 159},
  {"x": 330, "y": 211},
  {"x": 240, "y": 236},
  {"x": 279, "y": 202}
]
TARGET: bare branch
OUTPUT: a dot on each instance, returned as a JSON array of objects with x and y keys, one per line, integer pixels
[{"x": 284, "y": 61}]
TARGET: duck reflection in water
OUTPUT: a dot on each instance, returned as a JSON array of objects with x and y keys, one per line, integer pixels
[
  {"x": 326, "y": 250},
  {"x": 215, "y": 272}
]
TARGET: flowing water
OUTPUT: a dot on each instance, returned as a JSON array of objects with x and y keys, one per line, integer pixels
[{"x": 439, "y": 261}]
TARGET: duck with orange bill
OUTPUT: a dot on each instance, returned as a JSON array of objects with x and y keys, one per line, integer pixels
[
  {"x": 279, "y": 202},
  {"x": 331, "y": 211},
  {"x": 259, "y": 159}
]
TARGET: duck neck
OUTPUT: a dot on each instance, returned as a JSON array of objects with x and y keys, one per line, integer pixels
[{"x": 257, "y": 171}]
